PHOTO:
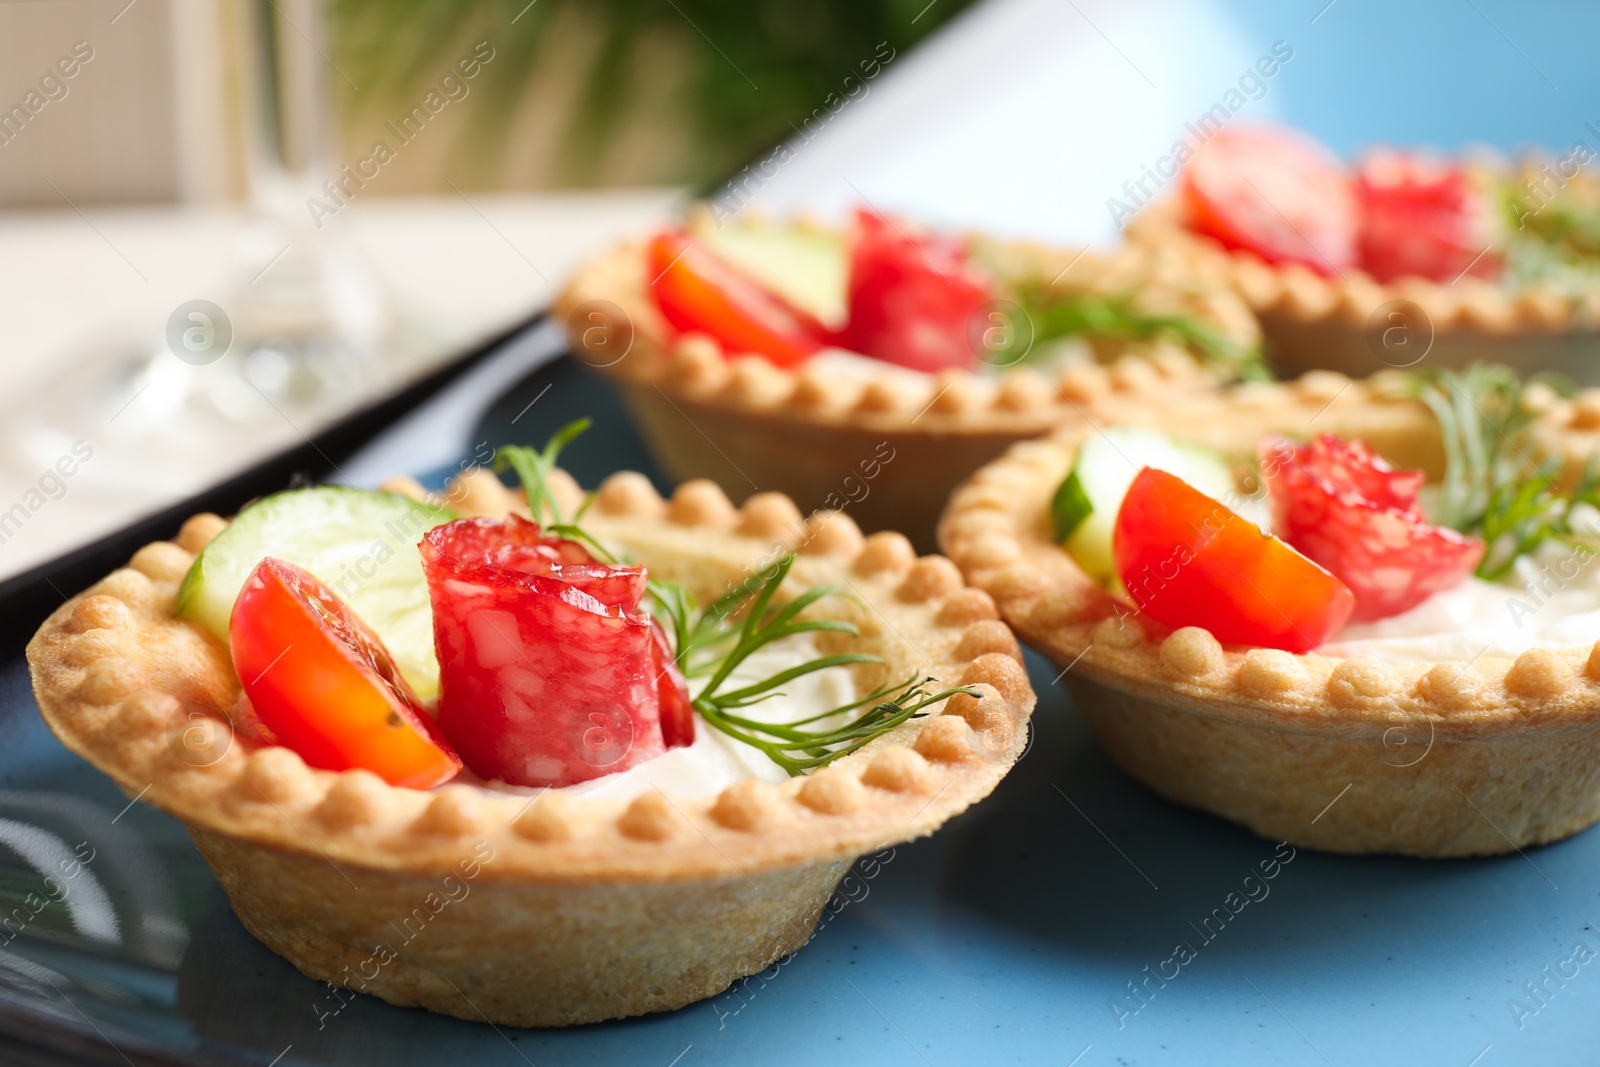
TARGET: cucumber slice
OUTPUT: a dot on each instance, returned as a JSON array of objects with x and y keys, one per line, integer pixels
[
  {"x": 1085, "y": 506},
  {"x": 361, "y": 543},
  {"x": 808, "y": 268}
]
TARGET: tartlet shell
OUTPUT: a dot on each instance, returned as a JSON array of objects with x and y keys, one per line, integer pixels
[
  {"x": 1311, "y": 321},
  {"x": 642, "y": 906},
  {"x": 1345, "y": 755},
  {"x": 807, "y": 432}
]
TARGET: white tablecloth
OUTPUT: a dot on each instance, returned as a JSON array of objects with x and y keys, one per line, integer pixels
[{"x": 73, "y": 286}]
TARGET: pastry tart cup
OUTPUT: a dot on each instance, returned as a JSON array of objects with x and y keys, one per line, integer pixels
[
  {"x": 886, "y": 443},
  {"x": 1358, "y": 326},
  {"x": 554, "y": 909},
  {"x": 1346, "y": 755}
]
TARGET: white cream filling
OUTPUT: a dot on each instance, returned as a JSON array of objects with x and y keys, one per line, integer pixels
[
  {"x": 715, "y": 761},
  {"x": 863, "y": 370},
  {"x": 1551, "y": 600}
]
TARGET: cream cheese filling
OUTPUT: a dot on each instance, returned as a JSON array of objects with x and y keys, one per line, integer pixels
[
  {"x": 845, "y": 365},
  {"x": 715, "y": 761},
  {"x": 1550, "y": 600}
]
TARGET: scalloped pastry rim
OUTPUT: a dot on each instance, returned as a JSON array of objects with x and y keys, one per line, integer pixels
[
  {"x": 1294, "y": 291},
  {"x": 1066, "y": 616},
  {"x": 1018, "y": 401},
  {"x": 904, "y": 785}
]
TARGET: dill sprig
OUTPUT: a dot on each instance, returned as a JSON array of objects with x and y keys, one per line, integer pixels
[
  {"x": 534, "y": 466},
  {"x": 714, "y": 642},
  {"x": 1054, "y": 316},
  {"x": 1500, "y": 482}
]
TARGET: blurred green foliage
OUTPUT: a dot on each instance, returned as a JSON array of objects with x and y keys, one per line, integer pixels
[{"x": 731, "y": 75}]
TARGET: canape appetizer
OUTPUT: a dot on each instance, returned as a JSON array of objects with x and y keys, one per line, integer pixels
[
  {"x": 894, "y": 360},
  {"x": 489, "y": 754},
  {"x": 1354, "y": 616},
  {"x": 1401, "y": 256}
]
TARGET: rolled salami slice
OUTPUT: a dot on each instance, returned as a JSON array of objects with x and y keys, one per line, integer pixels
[{"x": 549, "y": 672}]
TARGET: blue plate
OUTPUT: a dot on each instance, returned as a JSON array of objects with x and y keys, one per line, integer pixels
[{"x": 1071, "y": 918}]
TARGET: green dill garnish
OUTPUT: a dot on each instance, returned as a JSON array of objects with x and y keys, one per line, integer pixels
[
  {"x": 713, "y": 642},
  {"x": 1501, "y": 483},
  {"x": 1054, "y": 316}
]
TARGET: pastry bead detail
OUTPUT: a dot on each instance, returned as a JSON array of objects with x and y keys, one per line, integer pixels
[
  {"x": 565, "y": 489},
  {"x": 1002, "y": 672},
  {"x": 1450, "y": 683},
  {"x": 546, "y": 819},
  {"x": 1360, "y": 679},
  {"x": 1023, "y": 390},
  {"x": 992, "y": 550},
  {"x": 885, "y": 552},
  {"x": 93, "y": 645},
  {"x": 162, "y": 561},
  {"x": 945, "y": 739},
  {"x": 880, "y": 397},
  {"x": 1114, "y": 632},
  {"x": 275, "y": 773},
  {"x": 130, "y": 587},
  {"x": 356, "y": 799},
  {"x": 930, "y": 578},
  {"x": 1191, "y": 652},
  {"x": 147, "y": 712},
  {"x": 964, "y": 606},
  {"x": 1271, "y": 671},
  {"x": 1057, "y": 608},
  {"x": 832, "y": 791},
  {"x": 1083, "y": 384},
  {"x": 700, "y": 502},
  {"x": 953, "y": 393},
  {"x": 748, "y": 805},
  {"x": 650, "y": 817},
  {"x": 899, "y": 770},
  {"x": 108, "y": 680},
  {"x": 981, "y": 712},
  {"x": 199, "y": 530},
  {"x": 477, "y": 492},
  {"x": 769, "y": 515},
  {"x": 697, "y": 362},
  {"x": 988, "y": 636},
  {"x": 1539, "y": 672},
  {"x": 1017, "y": 581},
  {"x": 757, "y": 382},
  {"x": 455, "y": 810},
  {"x": 628, "y": 493},
  {"x": 831, "y": 533},
  {"x": 101, "y": 613}
]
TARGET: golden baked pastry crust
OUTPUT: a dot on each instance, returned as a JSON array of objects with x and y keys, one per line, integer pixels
[
  {"x": 743, "y": 421},
  {"x": 571, "y": 909},
  {"x": 1312, "y": 322},
  {"x": 1347, "y": 755}
]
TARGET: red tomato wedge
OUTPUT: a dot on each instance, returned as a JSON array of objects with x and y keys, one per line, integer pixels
[
  {"x": 699, "y": 293},
  {"x": 549, "y": 674},
  {"x": 322, "y": 683},
  {"x": 1188, "y": 560},
  {"x": 1420, "y": 218},
  {"x": 1273, "y": 192},
  {"x": 1341, "y": 505},
  {"x": 911, "y": 298}
]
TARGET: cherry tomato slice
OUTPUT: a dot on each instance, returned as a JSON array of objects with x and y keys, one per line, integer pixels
[
  {"x": 1188, "y": 560},
  {"x": 324, "y": 685},
  {"x": 699, "y": 293},
  {"x": 1275, "y": 193},
  {"x": 1421, "y": 218},
  {"x": 912, "y": 299}
]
